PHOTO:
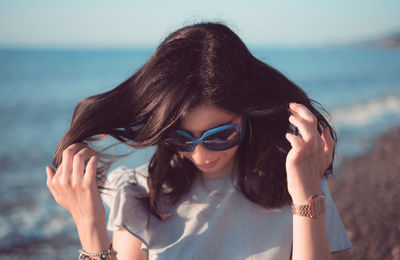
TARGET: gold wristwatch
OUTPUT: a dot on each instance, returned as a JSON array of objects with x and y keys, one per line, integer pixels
[{"x": 315, "y": 207}]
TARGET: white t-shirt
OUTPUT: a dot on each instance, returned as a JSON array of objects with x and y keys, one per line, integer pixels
[{"x": 213, "y": 221}]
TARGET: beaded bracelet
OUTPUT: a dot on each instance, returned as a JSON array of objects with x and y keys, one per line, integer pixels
[{"x": 99, "y": 256}]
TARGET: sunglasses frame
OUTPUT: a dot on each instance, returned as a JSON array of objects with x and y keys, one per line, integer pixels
[{"x": 239, "y": 127}]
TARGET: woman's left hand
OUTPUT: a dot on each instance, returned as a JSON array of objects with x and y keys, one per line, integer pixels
[{"x": 310, "y": 155}]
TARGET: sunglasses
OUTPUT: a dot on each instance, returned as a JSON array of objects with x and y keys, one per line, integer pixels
[{"x": 217, "y": 139}]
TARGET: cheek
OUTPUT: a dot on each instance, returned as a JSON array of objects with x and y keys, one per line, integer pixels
[
  {"x": 226, "y": 156},
  {"x": 190, "y": 156},
  {"x": 229, "y": 154}
]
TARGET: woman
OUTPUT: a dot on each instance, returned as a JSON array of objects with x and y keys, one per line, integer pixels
[{"x": 236, "y": 142}]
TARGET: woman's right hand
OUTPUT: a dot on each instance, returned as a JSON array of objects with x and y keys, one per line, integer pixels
[{"x": 75, "y": 188}]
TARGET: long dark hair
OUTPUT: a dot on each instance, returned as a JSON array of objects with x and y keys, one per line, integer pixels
[{"x": 201, "y": 63}]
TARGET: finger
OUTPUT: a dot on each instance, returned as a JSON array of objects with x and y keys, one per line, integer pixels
[
  {"x": 303, "y": 126},
  {"x": 294, "y": 140},
  {"x": 50, "y": 174},
  {"x": 78, "y": 164},
  {"x": 67, "y": 160},
  {"x": 303, "y": 112},
  {"x": 91, "y": 169}
]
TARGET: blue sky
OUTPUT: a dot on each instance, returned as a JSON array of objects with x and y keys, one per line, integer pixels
[{"x": 101, "y": 23}]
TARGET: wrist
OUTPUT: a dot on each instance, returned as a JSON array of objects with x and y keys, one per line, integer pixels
[
  {"x": 95, "y": 221},
  {"x": 315, "y": 207},
  {"x": 301, "y": 192},
  {"x": 93, "y": 236},
  {"x": 303, "y": 195},
  {"x": 100, "y": 255}
]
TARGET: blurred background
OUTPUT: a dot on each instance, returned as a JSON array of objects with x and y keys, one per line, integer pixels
[{"x": 345, "y": 54}]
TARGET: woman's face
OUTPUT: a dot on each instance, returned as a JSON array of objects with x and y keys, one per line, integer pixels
[{"x": 212, "y": 164}]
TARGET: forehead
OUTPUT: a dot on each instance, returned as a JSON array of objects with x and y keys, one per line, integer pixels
[{"x": 204, "y": 117}]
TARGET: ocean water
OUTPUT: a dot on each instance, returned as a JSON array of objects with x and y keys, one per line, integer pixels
[{"x": 39, "y": 89}]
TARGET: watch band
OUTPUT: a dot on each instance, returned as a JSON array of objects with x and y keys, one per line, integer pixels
[{"x": 315, "y": 207}]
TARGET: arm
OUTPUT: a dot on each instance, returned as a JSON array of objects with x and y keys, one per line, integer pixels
[
  {"x": 75, "y": 188},
  {"x": 127, "y": 246},
  {"x": 310, "y": 240},
  {"x": 306, "y": 162}
]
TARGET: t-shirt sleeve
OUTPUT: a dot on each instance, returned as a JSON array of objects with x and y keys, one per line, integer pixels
[
  {"x": 337, "y": 235},
  {"x": 123, "y": 188}
]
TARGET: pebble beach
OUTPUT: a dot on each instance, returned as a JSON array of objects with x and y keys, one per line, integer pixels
[{"x": 366, "y": 192}]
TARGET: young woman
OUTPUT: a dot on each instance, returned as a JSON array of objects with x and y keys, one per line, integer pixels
[{"x": 238, "y": 171}]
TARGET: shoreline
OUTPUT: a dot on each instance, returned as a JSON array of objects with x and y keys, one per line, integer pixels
[{"x": 365, "y": 190}]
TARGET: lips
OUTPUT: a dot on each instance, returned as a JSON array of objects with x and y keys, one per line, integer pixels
[{"x": 208, "y": 165}]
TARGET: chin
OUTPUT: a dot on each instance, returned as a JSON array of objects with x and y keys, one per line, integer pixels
[{"x": 210, "y": 171}]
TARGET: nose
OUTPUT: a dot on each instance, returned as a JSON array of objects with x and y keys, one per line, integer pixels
[{"x": 201, "y": 154}]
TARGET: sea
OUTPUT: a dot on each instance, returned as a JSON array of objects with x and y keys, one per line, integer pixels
[{"x": 39, "y": 88}]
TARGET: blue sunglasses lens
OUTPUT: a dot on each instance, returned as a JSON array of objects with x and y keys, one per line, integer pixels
[
  {"x": 218, "y": 141},
  {"x": 223, "y": 140},
  {"x": 178, "y": 142}
]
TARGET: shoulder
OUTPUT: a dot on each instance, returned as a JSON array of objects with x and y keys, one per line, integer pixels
[
  {"x": 125, "y": 183},
  {"x": 123, "y": 176}
]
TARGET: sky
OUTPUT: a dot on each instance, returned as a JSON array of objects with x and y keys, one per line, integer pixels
[{"x": 130, "y": 23}]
